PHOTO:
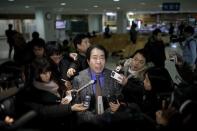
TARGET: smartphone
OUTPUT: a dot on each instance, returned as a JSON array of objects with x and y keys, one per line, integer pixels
[{"x": 116, "y": 76}]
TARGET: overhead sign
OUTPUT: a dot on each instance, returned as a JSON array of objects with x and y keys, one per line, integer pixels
[{"x": 171, "y": 6}]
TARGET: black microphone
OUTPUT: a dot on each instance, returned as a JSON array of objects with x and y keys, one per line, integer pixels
[{"x": 87, "y": 100}]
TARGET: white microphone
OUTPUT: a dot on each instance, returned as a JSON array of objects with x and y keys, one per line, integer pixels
[
  {"x": 86, "y": 85},
  {"x": 74, "y": 92}
]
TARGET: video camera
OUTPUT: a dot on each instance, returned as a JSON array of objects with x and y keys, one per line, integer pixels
[{"x": 115, "y": 74}]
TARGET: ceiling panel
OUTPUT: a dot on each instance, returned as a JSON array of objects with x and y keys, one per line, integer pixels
[{"x": 86, "y": 6}]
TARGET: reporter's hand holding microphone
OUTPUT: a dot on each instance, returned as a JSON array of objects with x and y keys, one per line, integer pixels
[
  {"x": 78, "y": 107},
  {"x": 71, "y": 94},
  {"x": 68, "y": 99}
]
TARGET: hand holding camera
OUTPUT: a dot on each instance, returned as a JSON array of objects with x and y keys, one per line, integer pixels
[{"x": 117, "y": 76}]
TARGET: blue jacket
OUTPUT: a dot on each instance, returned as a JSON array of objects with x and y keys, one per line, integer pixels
[{"x": 190, "y": 51}]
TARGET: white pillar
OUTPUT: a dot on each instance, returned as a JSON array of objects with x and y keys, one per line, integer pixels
[
  {"x": 121, "y": 22},
  {"x": 45, "y": 24},
  {"x": 95, "y": 23}
]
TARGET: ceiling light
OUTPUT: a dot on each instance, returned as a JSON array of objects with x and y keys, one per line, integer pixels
[
  {"x": 111, "y": 14},
  {"x": 130, "y": 13},
  {"x": 26, "y": 6},
  {"x": 116, "y": 0},
  {"x": 95, "y": 6},
  {"x": 63, "y": 4},
  {"x": 11, "y": 0}
]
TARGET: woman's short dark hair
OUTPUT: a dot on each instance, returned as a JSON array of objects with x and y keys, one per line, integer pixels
[
  {"x": 100, "y": 47},
  {"x": 40, "y": 65}
]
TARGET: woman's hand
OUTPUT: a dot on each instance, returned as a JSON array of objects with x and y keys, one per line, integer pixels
[
  {"x": 71, "y": 72},
  {"x": 114, "y": 106},
  {"x": 124, "y": 80},
  {"x": 78, "y": 107}
]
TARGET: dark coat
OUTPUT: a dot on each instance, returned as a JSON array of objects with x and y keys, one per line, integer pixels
[
  {"x": 133, "y": 91},
  {"x": 156, "y": 52},
  {"x": 46, "y": 104},
  {"x": 80, "y": 64}
]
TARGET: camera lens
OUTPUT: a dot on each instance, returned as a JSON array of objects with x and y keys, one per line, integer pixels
[{"x": 113, "y": 73}]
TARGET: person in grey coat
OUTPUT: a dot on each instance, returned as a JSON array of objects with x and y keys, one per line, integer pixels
[{"x": 96, "y": 58}]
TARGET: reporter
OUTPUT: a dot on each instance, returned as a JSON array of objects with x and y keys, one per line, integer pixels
[
  {"x": 133, "y": 70},
  {"x": 43, "y": 97}
]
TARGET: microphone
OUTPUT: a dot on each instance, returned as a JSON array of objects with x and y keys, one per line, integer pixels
[
  {"x": 86, "y": 85},
  {"x": 87, "y": 100},
  {"x": 74, "y": 92}
]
